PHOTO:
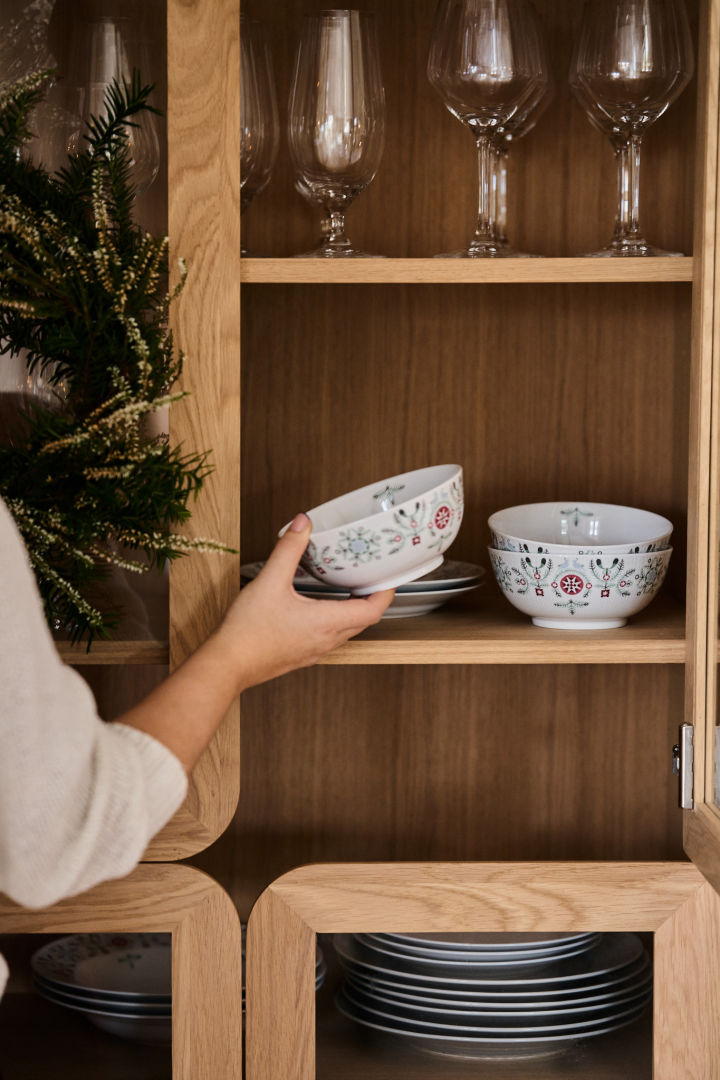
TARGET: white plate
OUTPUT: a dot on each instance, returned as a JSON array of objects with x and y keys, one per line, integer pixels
[
  {"x": 502, "y": 992},
  {"x": 487, "y": 942},
  {"x": 455, "y": 1010},
  {"x": 488, "y": 999},
  {"x": 112, "y": 1004},
  {"x": 498, "y": 1026},
  {"x": 615, "y": 952},
  {"x": 474, "y": 964},
  {"x": 129, "y": 966},
  {"x": 478, "y": 1047},
  {"x": 450, "y": 575},
  {"x": 478, "y": 955},
  {"x": 100, "y": 1009},
  {"x": 404, "y": 605}
]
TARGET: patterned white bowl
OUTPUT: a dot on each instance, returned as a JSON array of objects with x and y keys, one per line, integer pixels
[
  {"x": 584, "y": 592},
  {"x": 387, "y": 533},
  {"x": 578, "y": 528}
]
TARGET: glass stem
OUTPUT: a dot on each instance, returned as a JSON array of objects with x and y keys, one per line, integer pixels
[
  {"x": 627, "y": 224},
  {"x": 501, "y": 196},
  {"x": 485, "y": 231},
  {"x": 334, "y": 235}
]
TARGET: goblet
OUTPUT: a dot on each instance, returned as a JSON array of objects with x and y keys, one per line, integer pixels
[
  {"x": 259, "y": 126},
  {"x": 336, "y": 122},
  {"x": 519, "y": 124},
  {"x": 632, "y": 60},
  {"x": 486, "y": 59},
  {"x": 99, "y": 53}
]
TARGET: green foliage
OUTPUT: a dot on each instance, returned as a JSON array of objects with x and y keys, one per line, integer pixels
[{"x": 83, "y": 290}]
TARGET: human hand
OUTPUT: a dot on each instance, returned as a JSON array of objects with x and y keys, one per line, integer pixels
[{"x": 271, "y": 629}]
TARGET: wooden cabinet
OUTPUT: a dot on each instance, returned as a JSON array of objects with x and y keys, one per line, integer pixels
[{"x": 467, "y": 736}]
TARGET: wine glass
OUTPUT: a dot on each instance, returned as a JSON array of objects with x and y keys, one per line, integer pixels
[
  {"x": 21, "y": 388},
  {"x": 631, "y": 60},
  {"x": 99, "y": 53},
  {"x": 518, "y": 125},
  {"x": 486, "y": 59},
  {"x": 259, "y": 125},
  {"x": 337, "y": 118}
]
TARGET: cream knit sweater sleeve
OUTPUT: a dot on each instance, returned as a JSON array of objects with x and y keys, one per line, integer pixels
[{"x": 79, "y": 798}]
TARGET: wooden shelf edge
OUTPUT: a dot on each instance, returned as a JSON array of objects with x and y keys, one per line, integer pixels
[
  {"x": 115, "y": 652},
  {"x": 463, "y": 271},
  {"x": 489, "y": 632}
]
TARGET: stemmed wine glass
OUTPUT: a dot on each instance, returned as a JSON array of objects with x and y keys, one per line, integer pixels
[
  {"x": 631, "y": 60},
  {"x": 486, "y": 60},
  {"x": 259, "y": 125},
  {"x": 100, "y": 52},
  {"x": 337, "y": 118},
  {"x": 519, "y": 124}
]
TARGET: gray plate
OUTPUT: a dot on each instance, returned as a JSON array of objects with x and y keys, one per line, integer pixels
[
  {"x": 615, "y": 952},
  {"x": 455, "y": 1013},
  {"x": 501, "y": 1025},
  {"x": 503, "y": 991},
  {"x": 478, "y": 1046},
  {"x": 120, "y": 1012},
  {"x": 478, "y": 956},
  {"x": 490, "y": 999},
  {"x": 487, "y": 942}
]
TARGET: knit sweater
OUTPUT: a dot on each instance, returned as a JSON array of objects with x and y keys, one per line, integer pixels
[{"x": 79, "y": 798}]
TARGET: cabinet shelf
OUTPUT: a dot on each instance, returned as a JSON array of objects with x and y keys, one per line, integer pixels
[
  {"x": 491, "y": 632},
  {"x": 462, "y": 271},
  {"x": 114, "y": 652}
]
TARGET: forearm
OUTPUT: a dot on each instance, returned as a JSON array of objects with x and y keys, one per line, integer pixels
[{"x": 186, "y": 709}]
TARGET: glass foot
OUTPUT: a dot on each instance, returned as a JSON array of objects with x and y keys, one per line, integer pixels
[
  {"x": 337, "y": 253},
  {"x": 624, "y": 249},
  {"x": 487, "y": 251}
]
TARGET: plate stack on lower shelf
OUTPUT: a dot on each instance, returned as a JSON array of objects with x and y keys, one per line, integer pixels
[
  {"x": 493, "y": 996},
  {"x": 121, "y": 982}
]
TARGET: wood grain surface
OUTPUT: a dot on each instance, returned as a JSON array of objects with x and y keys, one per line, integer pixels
[
  {"x": 423, "y": 200},
  {"x": 552, "y": 762},
  {"x": 668, "y": 898},
  {"x": 206, "y": 957},
  {"x": 204, "y": 228}
]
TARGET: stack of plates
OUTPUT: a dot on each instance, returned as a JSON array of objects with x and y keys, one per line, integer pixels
[
  {"x": 490, "y": 996},
  {"x": 449, "y": 581},
  {"x": 121, "y": 982}
]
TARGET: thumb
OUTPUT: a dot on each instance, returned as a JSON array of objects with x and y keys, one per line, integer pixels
[{"x": 289, "y": 549}]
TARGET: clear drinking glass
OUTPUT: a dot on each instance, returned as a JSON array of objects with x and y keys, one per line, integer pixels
[
  {"x": 100, "y": 52},
  {"x": 631, "y": 60},
  {"x": 259, "y": 125},
  {"x": 336, "y": 124},
  {"x": 486, "y": 59},
  {"x": 20, "y": 388},
  {"x": 519, "y": 124}
]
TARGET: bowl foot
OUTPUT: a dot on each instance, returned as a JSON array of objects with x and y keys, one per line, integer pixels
[
  {"x": 402, "y": 579},
  {"x": 580, "y": 624}
]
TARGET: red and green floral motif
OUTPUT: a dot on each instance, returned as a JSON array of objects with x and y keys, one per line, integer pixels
[
  {"x": 610, "y": 577},
  {"x": 407, "y": 528},
  {"x": 446, "y": 512},
  {"x": 319, "y": 562},
  {"x": 359, "y": 545}
]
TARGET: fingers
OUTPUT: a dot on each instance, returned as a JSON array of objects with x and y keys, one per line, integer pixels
[
  {"x": 289, "y": 549},
  {"x": 365, "y": 610}
]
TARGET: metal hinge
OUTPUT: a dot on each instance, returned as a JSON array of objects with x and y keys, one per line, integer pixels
[{"x": 683, "y": 765}]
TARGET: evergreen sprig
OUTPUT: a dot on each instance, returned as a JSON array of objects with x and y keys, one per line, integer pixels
[{"x": 83, "y": 291}]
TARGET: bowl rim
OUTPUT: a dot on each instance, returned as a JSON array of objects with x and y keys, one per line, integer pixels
[
  {"x": 549, "y": 554},
  {"x": 457, "y": 472},
  {"x": 667, "y": 525}
]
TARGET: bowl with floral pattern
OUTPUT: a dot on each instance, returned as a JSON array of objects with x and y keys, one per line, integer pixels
[
  {"x": 386, "y": 533},
  {"x": 580, "y": 528},
  {"x": 579, "y": 592}
]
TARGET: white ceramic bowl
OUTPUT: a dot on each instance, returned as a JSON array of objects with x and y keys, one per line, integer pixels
[
  {"x": 365, "y": 542},
  {"x": 584, "y": 592},
  {"x": 583, "y": 528}
]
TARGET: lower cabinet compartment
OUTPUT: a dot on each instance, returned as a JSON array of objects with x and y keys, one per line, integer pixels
[{"x": 348, "y": 1051}]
